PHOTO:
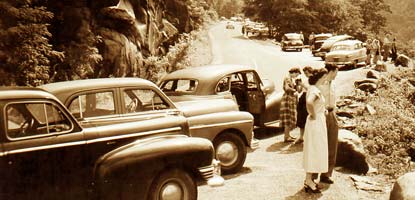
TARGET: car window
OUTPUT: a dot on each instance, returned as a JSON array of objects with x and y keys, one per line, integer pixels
[
  {"x": 92, "y": 105},
  {"x": 223, "y": 85},
  {"x": 341, "y": 48},
  {"x": 139, "y": 100},
  {"x": 180, "y": 85},
  {"x": 33, "y": 119},
  {"x": 252, "y": 81}
]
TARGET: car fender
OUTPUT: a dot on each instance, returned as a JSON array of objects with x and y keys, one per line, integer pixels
[
  {"x": 272, "y": 108},
  {"x": 165, "y": 150},
  {"x": 211, "y": 125}
]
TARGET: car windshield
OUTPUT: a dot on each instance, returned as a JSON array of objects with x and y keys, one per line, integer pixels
[
  {"x": 293, "y": 37},
  {"x": 342, "y": 48}
]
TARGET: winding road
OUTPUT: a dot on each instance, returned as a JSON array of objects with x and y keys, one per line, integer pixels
[{"x": 274, "y": 171}]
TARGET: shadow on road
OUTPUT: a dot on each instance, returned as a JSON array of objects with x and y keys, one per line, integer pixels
[
  {"x": 285, "y": 148},
  {"x": 264, "y": 133},
  {"x": 301, "y": 194},
  {"x": 244, "y": 170}
]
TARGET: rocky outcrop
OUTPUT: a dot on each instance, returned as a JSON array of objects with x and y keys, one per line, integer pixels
[
  {"x": 404, "y": 188},
  {"x": 404, "y": 61},
  {"x": 350, "y": 152}
]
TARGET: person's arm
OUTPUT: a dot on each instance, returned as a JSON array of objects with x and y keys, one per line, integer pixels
[
  {"x": 310, "y": 105},
  {"x": 287, "y": 87}
]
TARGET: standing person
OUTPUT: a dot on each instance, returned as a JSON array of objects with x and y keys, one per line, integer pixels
[
  {"x": 311, "y": 39},
  {"x": 375, "y": 51},
  {"x": 329, "y": 92},
  {"x": 315, "y": 151},
  {"x": 368, "y": 52},
  {"x": 394, "y": 54},
  {"x": 288, "y": 107},
  {"x": 301, "y": 106},
  {"x": 386, "y": 47}
]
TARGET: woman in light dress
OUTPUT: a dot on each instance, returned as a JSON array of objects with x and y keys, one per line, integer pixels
[{"x": 315, "y": 134}]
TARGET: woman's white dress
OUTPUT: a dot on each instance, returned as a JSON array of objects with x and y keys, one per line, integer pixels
[{"x": 315, "y": 135}]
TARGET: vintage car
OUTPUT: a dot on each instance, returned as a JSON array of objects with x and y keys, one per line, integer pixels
[
  {"x": 45, "y": 153},
  {"x": 318, "y": 41},
  {"x": 230, "y": 26},
  {"x": 292, "y": 41},
  {"x": 346, "y": 53},
  {"x": 97, "y": 102},
  {"x": 328, "y": 43},
  {"x": 240, "y": 83},
  {"x": 257, "y": 28}
]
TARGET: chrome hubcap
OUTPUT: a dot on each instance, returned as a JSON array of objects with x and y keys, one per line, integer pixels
[
  {"x": 227, "y": 153},
  {"x": 171, "y": 191}
]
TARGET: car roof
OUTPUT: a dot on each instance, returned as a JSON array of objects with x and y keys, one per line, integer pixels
[
  {"x": 292, "y": 34},
  {"x": 207, "y": 76},
  {"x": 324, "y": 35},
  {"x": 206, "y": 72},
  {"x": 15, "y": 92},
  {"x": 347, "y": 42},
  {"x": 339, "y": 37},
  {"x": 66, "y": 88}
]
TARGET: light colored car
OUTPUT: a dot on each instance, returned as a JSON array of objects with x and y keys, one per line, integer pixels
[
  {"x": 98, "y": 102},
  {"x": 328, "y": 43},
  {"x": 318, "y": 41},
  {"x": 347, "y": 53},
  {"x": 292, "y": 41},
  {"x": 230, "y": 26},
  {"x": 240, "y": 83}
]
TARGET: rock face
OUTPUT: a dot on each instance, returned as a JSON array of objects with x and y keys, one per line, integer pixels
[
  {"x": 403, "y": 61},
  {"x": 350, "y": 152},
  {"x": 404, "y": 188}
]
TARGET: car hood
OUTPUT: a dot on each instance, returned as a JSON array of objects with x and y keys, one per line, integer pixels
[{"x": 207, "y": 106}]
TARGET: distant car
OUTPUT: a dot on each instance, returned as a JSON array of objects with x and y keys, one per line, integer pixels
[
  {"x": 328, "y": 43},
  {"x": 346, "y": 53},
  {"x": 230, "y": 26},
  {"x": 240, "y": 83},
  {"x": 292, "y": 41},
  {"x": 98, "y": 102},
  {"x": 317, "y": 41}
]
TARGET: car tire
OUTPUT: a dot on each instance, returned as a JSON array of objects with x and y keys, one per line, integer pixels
[
  {"x": 283, "y": 49},
  {"x": 230, "y": 151},
  {"x": 173, "y": 184}
]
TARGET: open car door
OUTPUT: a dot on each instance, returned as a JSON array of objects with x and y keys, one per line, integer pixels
[{"x": 256, "y": 98}]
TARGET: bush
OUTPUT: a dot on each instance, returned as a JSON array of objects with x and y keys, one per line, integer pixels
[{"x": 388, "y": 135}]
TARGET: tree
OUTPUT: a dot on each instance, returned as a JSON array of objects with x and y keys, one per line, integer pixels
[
  {"x": 25, "y": 51},
  {"x": 372, "y": 12}
]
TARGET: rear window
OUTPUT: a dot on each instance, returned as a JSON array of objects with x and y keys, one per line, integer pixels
[{"x": 180, "y": 85}]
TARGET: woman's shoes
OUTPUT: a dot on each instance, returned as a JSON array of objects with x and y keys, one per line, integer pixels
[
  {"x": 289, "y": 139},
  {"x": 312, "y": 189}
]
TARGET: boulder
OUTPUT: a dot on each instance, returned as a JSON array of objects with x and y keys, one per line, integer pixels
[
  {"x": 372, "y": 74},
  {"x": 404, "y": 188},
  {"x": 368, "y": 87},
  {"x": 380, "y": 67},
  {"x": 345, "y": 113},
  {"x": 403, "y": 61},
  {"x": 370, "y": 109},
  {"x": 350, "y": 152},
  {"x": 368, "y": 80}
]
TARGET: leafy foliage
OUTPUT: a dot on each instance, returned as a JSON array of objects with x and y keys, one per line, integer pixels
[
  {"x": 25, "y": 52},
  {"x": 388, "y": 135},
  {"x": 345, "y": 16}
]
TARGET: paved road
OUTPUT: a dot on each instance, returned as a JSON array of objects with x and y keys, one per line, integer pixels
[{"x": 274, "y": 171}]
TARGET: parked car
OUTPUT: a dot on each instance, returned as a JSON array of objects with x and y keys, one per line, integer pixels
[
  {"x": 328, "y": 43},
  {"x": 347, "y": 53},
  {"x": 240, "y": 83},
  {"x": 292, "y": 41},
  {"x": 97, "y": 102},
  {"x": 318, "y": 41},
  {"x": 230, "y": 26},
  {"x": 45, "y": 153}
]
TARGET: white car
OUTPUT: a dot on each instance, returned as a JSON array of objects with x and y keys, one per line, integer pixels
[{"x": 346, "y": 53}]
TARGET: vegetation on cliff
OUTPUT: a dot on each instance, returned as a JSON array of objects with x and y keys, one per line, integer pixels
[{"x": 388, "y": 134}]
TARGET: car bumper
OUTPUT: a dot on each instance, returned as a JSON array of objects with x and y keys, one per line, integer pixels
[
  {"x": 254, "y": 144},
  {"x": 212, "y": 173},
  {"x": 339, "y": 63},
  {"x": 293, "y": 47}
]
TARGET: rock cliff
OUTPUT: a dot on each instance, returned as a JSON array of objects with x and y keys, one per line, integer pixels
[{"x": 125, "y": 31}]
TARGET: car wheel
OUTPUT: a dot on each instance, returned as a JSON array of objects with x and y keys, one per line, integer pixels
[
  {"x": 323, "y": 58},
  {"x": 283, "y": 49},
  {"x": 230, "y": 151},
  {"x": 300, "y": 50},
  {"x": 173, "y": 184}
]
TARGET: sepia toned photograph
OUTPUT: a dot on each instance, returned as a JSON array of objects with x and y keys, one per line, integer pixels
[{"x": 207, "y": 99}]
